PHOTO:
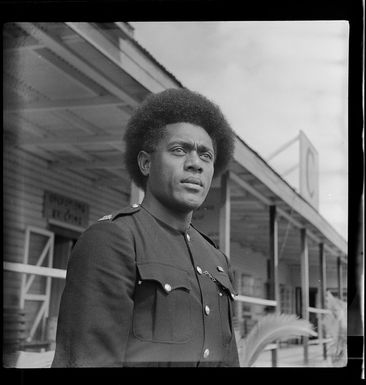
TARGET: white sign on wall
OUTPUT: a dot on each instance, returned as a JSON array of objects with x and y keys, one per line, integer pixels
[
  {"x": 309, "y": 171},
  {"x": 65, "y": 209}
]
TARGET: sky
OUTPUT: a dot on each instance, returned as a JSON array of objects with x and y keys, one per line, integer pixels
[{"x": 271, "y": 79}]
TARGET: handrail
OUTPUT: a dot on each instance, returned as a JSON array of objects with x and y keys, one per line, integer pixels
[
  {"x": 256, "y": 300},
  {"x": 318, "y": 310},
  {"x": 33, "y": 269},
  {"x": 320, "y": 341}
]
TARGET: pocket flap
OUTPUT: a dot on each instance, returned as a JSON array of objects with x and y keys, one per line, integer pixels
[
  {"x": 169, "y": 277},
  {"x": 224, "y": 280}
]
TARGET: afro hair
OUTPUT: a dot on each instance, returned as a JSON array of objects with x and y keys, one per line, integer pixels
[{"x": 146, "y": 127}]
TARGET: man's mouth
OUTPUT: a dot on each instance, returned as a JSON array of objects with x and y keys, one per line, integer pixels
[{"x": 193, "y": 182}]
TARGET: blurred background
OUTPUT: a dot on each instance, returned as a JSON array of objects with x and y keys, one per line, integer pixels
[
  {"x": 280, "y": 213},
  {"x": 271, "y": 79}
]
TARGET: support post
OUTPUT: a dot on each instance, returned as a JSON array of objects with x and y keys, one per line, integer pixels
[
  {"x": 238, "y": 306},
  {"x": 136, "y": 194},
  {"x": 224, "y": 233},
  {"x": 305, "y": 287},
  {"x": 339, "y": 278},
  {"x": 273, "y": 252},
  {"x": 273, "y": 270},
  {"x": 224, "y": 221},
  {"x": 323, "y": 293}
]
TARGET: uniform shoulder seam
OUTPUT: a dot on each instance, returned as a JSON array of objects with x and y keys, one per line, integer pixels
[{"x": 128, "y": 210}]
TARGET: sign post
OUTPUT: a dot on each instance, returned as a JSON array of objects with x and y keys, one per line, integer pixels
[{"x": 309, "y": 171}]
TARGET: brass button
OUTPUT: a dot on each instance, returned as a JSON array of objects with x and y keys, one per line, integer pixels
[
  {"x": 199, "y": 270},
  {"x": 207, "y": 310},
  {"x": 188, "y": 237},
  {"x": 167, "y": 287},
  {"x": 139, "y": 282},
  {"x": 220, "y": 294},
  {"x": 206, "y": 353},
  {"x": 219, "y": 268}
]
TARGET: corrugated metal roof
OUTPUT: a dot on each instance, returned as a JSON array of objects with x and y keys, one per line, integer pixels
[{"x": 146, "y": 52}]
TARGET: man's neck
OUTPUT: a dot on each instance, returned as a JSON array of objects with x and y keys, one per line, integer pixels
[{"x": 178, "y": 220}]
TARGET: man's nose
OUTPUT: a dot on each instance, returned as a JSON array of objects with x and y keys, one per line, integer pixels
[{"x": 193, "y": 162}]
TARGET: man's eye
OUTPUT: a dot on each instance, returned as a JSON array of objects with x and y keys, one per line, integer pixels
[
  {"x": 206, "y": 156},
  {"x": 178, "y": 150}
]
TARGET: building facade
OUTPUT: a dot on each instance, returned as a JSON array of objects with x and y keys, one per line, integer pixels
[{"x": 69, "y": 89}]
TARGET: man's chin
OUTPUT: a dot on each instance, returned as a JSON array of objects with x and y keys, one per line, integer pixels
[
  {"x": 196, "y": 204},
  {"x": 188, "y": 201},
  {"x": 189, "y": 205}
]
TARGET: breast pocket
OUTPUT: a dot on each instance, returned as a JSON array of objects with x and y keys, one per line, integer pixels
[
  {"x": 162, "y": 310},
  {"x": 226, "y": 302}
]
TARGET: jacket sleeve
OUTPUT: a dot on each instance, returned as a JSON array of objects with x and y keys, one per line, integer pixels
[{"x": 97, "y": 303}]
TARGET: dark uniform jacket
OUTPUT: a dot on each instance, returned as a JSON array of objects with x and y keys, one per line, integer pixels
[{"x": 140, "y": 293}]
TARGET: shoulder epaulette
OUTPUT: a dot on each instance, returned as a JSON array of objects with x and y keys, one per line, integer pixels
[
  {"x": 128, "y": 210},
  {"x": 206, "y": 237}
]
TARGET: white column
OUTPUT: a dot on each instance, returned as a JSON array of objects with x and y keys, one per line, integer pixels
[
  {"x": 322, "y": 292},
  {"x": 273, "y": 271},
  {"x": 305, "y": 287},
  {"x": 224, "y": 221},
  {"x": 136, "y": 194},
  {"x": 340, "y": 278}
]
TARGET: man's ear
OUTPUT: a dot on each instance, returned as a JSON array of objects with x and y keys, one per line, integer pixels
[{"x": 144, "y": 161}]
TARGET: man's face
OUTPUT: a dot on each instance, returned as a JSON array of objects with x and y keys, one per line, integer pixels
[{"x": 181, "y": 168}]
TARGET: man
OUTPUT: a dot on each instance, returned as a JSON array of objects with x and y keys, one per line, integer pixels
[{"x": 144, "y": 287}]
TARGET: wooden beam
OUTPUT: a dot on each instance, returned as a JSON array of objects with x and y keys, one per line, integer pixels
[
  {"x": 111, "y": 162},
  {"x": 20, "y": 44},
  {"x": 323, "y": 275},
  {"x": 70, "y": 140},
  {"x": 273, "y": 253},
  {"x": 53, "y": 105},
  {"x": 125, "y": 28},
  {"x": 32, "y": 269},
  {"x": 305, "y": 287},
  {"x": 310, "y": 234},
  {"x": 283, "y": 147},
  {"x": 273, "y": 270},
  {"x": 123, "y": 54},
  {"x": 224, "y": 220},
  {"x": 246, "y": 186},
  {"x": 70, "y": 71},
  {"x": 35, "y": 297},
  {"x": 340, "y": 278},
  {"x": 255, "y": 300},
  {"x": 319, "y": 311},
  {"x": 74, "y": 59},
  {"x": 250, "y": 160},
  {"x": 323, "y": 290},
  {"x": 238, "y": 309},
  {"x": 289, "y": 170}
]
